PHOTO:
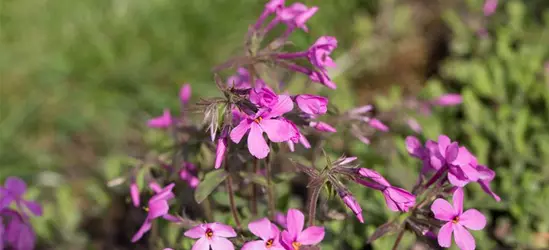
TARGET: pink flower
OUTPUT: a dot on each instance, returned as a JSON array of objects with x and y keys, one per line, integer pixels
[
  {"x": 294, "y": 236},
  {"x": 447, "y": 155},
  {"x": 13, "y": 191},
  {"x": 322, "y": 126},
  {"x": 312, "y": 104},
  {"x": 158, "y": 207},
  {"x": 263, "y": 97},
  {"x": 319, "y": 53},
  {"x": 186, "y": 174},
  {"x": 134, "y": 193},
  {"x": 448, "y": 100},
  {"x": 490, "y": 7},
  {"x": 185, "y": 93},
  {"x": 212, "y": 235},
  {"x": 280, "y": 218},
  {"x": 296, "y": 15},
  {"x": 457, "y": 222},
  {"x": 221, "y": 148},
  {"x": 164, "y": 121},
  {"x": 486, "y": 176},
  {"x": 397, "y": 199},
  {"x": 265, "y": 120},
  {"x": 377, "y": 124},
  {"x": 350, "y": 202},
  {"x": 321, "y": 76},
  {"x": 268, "y": 233},
  {"x": 414, "y": 125},
  {"x": 299, "y": 138}
]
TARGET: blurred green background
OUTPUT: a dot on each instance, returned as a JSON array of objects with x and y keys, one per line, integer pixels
[{"x": 80, "y": 78}]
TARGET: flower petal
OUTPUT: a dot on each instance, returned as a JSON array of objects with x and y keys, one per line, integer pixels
[
  {"x": 445, "y": 235},
  {"x": 220, "y": 243},
  {"x": 254, "y": 245},
  {"x": 294, "y": 221},
  {"x": 451, "y": 152},
  {"x": 222, "y": 230},
  {"x": 443, "y": 210},
  {"x": 311, "y": 236},
  {"x": 473, "y": 219},
  {"x": 485, "y": 185},
  {"x": 142, "y": 230},
  {"x": 220, "y": 152},
  {"x": 240, "y": 130},
  {"x": 256, "y": 143},
  {"x": 277, "y": 130},
  {"x": 196, "y": 232},
  {"x": 443, "y": 143},
  {"x": 414, "y": 147},
  {"x": 15, "y": 186},
  {"x": 261, "y": 228},
  {"x": 374, "y": 176},
  {"x": 201, "y": 244},
  {"x": 458, "y": 201},
  {"x": 284, "y": 105},
  {"x": 463, "y": 238},
  {"x": 34, "y": 207},
  {"x": 158, "y": 208}
]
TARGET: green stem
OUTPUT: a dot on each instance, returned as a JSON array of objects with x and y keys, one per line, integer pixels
[{"x": 398, "y": 239}]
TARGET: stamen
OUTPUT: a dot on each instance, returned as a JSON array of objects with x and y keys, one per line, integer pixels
[
  {"x": 456, "y": 219},
  {"x": 258, "y": 120},
  {"x": 296, "y": 245},
  {"x": 269, "y": 243},
  {"x": 209, "y": 233}
]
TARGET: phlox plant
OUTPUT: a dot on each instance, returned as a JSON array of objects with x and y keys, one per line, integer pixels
[{"x": 258, "y": 130}]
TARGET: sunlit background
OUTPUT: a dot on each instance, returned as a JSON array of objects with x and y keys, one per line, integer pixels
[{"x": 79, "y": 79}]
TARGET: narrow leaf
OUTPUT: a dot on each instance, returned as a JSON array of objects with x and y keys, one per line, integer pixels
[
  {"x": 208, "y": 185},
  {"x": 255, "y": 178},
  {"x": 389, "y": 227}
]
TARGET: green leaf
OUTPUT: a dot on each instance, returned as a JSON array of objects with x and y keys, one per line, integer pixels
[
  {"x": 208, "y": 185},
  {"x": 255, "y": 178}
]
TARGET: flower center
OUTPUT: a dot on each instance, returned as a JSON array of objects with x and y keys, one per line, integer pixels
[
  {"x": 456, "y": 219},
  {"x": 296, "y": 245},
  {"x": 269, "y": 243},
  {"x": 209, "y": 233},
  {"x": 258, "y": 119}
]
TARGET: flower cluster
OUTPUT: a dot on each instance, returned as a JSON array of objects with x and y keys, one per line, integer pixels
[
  {"x": 257, "y": 109},
  {"x": 15, "y": 228},
  {"x": 448, "y": 167}
]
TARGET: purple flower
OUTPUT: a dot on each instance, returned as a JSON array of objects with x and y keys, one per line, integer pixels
[
  {"x": 319, "y": 53},
  {"x": 1, "y": 234},
  {"x": 163, "y": 121},
  {"x": 448, "y": 100},
  {"x": 185, "y": 93},
  {"x": 221, "y": 148},
  {"x": 263, "y": 97},
  {"x": 321, "y": 76},
  {"x": 299, "y": 138},
  {"x": 322, "y": 126},
  {"x": 350, "y": 202},
  {"x": 18, "y": 233},
  {"x": 269, "y": 234},
  {"x": 13, "y": 191},
  {"x": 397, "y": 199},
  {"x": 457, "y": 222},
  {"x": 312, "y": 104},
  {"x": 158, "y": 207},
  {"x": 212, "y": 235},
  {"x": 294, "y": 236},
  {"x": 296, "y": 15},
  {"x": 414, "y": 125},
  {"x": 447, "y": 155},
  {"x": 186, "y": 174},
  {"x": 377, "y": 124},
  {"x": 490, "y": 7},
  {"x": 486, "y": 176},
  {"x": 265, "y": 120}
]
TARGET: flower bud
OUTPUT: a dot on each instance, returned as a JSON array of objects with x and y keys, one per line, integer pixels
[{"x": 312, "y": 104}]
